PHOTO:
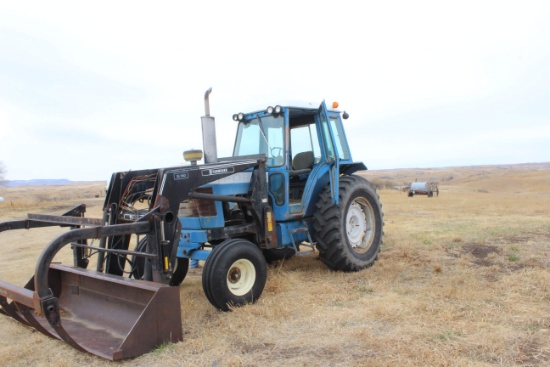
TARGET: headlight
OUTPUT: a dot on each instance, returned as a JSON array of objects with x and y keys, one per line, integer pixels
[{"x": 274, "y": 110}]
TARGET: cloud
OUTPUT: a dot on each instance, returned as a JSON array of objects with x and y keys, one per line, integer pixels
[{"x": 88, "y": 88}]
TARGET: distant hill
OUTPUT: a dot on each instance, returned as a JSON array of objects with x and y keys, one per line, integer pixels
[
  {"x": 37, "y": 182},
  {"x": 512, "y": 178}
]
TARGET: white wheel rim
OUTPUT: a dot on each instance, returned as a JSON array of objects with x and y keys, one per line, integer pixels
[
  {"x": 360, "y": 225},
  {"x": 241, "y": 277}
]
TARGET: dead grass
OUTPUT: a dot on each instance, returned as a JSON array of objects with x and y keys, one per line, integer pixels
[
  {"x": 20, "y": 200},
  {"x": 463, "y": 279}
]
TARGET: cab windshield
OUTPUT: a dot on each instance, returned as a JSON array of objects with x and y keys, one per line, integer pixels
[{"x": 262, "y": 135}]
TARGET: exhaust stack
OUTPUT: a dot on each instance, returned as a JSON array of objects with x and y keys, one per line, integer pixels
[{"x": 209, "y": 132}]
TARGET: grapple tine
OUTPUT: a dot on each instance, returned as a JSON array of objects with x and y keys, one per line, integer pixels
[{"x": 9, "y": 309}]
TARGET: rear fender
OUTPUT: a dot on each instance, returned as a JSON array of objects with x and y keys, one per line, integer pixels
[{"x": 350, "y": 168}]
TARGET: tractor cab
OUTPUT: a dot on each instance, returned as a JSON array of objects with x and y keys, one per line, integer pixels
[{"x": 305, "y": 149}]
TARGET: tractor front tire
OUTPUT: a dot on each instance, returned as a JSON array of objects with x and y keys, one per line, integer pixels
[
  {"x": 234, "y": 274},
  {"x": 349, "y": 235}
]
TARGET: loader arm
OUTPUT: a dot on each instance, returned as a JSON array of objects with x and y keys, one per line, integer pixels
[{"x": 165, "y": 189}]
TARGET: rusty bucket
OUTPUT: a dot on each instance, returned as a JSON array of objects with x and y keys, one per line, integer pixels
[{"x": 105, "y": 315}]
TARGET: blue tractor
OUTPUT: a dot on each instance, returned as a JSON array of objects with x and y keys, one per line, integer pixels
[{"x": 289, "y": 188}]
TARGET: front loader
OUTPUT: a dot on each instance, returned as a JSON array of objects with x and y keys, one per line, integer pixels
[{"x": 289, "y": 188}]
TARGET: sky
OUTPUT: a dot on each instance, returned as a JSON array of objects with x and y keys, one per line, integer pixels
[{"x": 91, "y": 88}]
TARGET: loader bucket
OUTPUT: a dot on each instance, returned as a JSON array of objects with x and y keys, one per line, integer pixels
[{"x": 105, "y": 315}]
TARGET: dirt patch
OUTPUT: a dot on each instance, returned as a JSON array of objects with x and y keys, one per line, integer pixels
[
  {"x": 511, "y": 252},
  {"x": 480, "y": 252}
]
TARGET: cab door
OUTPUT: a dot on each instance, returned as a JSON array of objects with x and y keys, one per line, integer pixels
[{"x": 330, "y": 151}]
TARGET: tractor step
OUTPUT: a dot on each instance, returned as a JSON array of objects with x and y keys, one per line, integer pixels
[{"x": 309, "y": 244}]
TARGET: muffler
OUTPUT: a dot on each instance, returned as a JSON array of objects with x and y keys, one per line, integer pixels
[{"x": 209, "y": 132}]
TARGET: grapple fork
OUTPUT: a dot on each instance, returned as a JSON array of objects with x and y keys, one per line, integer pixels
[{"x": 106, "y": 315}]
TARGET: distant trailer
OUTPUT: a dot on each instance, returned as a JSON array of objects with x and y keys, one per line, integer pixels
[
  {"x": 1, "y": 199},
  {"x": 423, "y": 188}
]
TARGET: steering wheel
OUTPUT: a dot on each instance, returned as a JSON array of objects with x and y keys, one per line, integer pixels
[{"x": 277, "y": 150}]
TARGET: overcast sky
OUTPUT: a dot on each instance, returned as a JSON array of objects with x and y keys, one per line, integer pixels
[{"x": 89, "y": 88}]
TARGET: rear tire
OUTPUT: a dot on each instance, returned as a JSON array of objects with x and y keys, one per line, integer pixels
[
  {"x": 234, "y": 274},
  {"x": 349, "y": 235}
]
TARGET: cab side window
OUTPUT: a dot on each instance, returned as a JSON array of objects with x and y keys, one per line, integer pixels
[{"x": 304, "y": 138}]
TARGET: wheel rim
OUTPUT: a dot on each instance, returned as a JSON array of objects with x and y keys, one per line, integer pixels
[
  {"x": 360, "y": 225},
  {"x": 241, "y": 277}
]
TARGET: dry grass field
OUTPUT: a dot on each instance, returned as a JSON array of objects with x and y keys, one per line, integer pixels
[{"x": 462, "y": 279}]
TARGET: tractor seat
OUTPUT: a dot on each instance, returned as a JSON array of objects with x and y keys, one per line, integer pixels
[{"x": 301, "y": 163}]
